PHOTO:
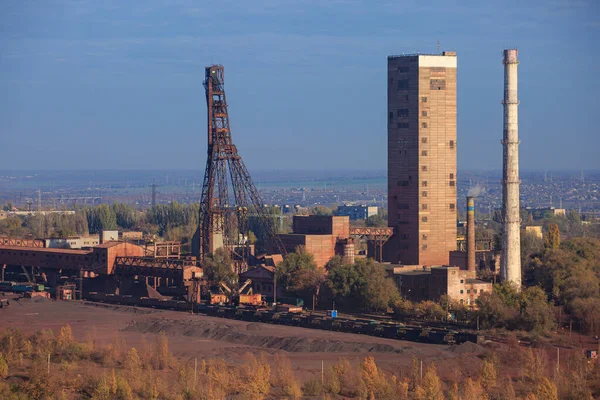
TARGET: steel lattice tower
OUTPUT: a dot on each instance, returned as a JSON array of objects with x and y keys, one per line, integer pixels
[{"x": 223, "y": 220}]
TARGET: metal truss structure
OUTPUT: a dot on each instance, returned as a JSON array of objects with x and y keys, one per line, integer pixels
[
  {"x": 10, "y": 241},
  {"x": 223, "y": 218},
  {"x": 150, "y": 266},
  {"x": 375, "y": 236}
]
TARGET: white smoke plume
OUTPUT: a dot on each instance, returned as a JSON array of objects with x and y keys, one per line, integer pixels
[{"x": 476, "y": 190}]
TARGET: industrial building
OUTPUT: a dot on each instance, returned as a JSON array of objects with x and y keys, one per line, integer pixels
[
  {"x": 357, "y": 212},
  {"x": 111, "y": 267},
  {"x": 458, "y": 280},
  {"x": 432, "y": 283},
  {"x": 322, "y": 236},
  {"x": 421, "y": 158}
]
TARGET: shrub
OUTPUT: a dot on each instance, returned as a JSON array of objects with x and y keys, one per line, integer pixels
[{"x": 313, "y": 387}]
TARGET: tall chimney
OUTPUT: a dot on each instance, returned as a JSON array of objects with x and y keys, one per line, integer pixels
[
  {"x": 471, "y": 235},
  {"x": 511, "y": 241}
]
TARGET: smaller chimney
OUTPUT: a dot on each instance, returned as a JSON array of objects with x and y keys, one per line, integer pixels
[{"x": 471, "y": 234}]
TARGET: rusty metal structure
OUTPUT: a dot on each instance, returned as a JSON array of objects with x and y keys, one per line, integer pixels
[
  {"x": 167, "y": 249},
  {"x": 223, "y": 220},
  {"x": 376, "y": 237},
  {"x": 19, "y": 242}
]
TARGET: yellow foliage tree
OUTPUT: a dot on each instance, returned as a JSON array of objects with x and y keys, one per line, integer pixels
[
  {"x": 552, "y": 239},
  {"x": 257, "y": 377},
  {"x": 489, "y": 375},
  {"x": 472, "y": 390},
  {"x": 162, "y": 357},
  {"x": 3, "y": 367},
  {"x": 546, "y": 390},
  {"x": 132, "y": 364},
  {"x": 432, "y": 386}
]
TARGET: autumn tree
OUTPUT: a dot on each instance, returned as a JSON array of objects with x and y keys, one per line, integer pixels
[
  {"x": 552, "y": 239},
  {"x": 489, "y": 374},
  {"x": 546, "y": 390},
  {"x": 432, "y": 385},
  {"x": 257, "y": 377}
]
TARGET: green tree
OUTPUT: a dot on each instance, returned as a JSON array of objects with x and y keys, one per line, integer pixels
[
  {"x": 375, "y": 221},
  {"x": 218, "y": 267},
  {"x": 364, "y": 284},
  {"x": 126, "y": 216},
  {"x": 292, "y": 265}
]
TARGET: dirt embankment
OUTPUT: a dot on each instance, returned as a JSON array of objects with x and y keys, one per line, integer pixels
[{"x": 249, "y": 335}]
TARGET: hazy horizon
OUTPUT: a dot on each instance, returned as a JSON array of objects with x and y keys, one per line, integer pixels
[{"x": 91, "y": 84}]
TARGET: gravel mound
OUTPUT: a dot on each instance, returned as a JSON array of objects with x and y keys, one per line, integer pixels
[
  {"x": 232, "y": 334},
  {"x": 254, "y": 327},
  {"x": 467, "y": 348}
]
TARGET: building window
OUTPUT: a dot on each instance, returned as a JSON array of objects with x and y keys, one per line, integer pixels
[
  {"x": 424, "y": 194},
  {"x": 461, "y": 300},
  {"x": 424, "y": 183},
  {"x": 424, "y": 153},
  {"x": 452, "y": 206},
  {"x": 423, "y": 237},
  {"x": 468, "y": 291},
  {"x": 424, "y": 113},
  {"x": 423, "y": 99},
  {"x": 424, "y": 168},
  {"x": 423, "y": 206},
  {"x": 480, "y": 290},
  {"x": 403, "y": 84},
  {"x": 451, "y": 183},
  {"x": 402, "y": 112},
  {"x": 403, "y": 70},
  {"x": 424, "y": 219},
  {"x": 461, "y": 292},
  {"x": 451, "y": 176},
  {"x": 403, "y": 125},
  {"x": 424, "y": 247},
  {"x": 452, "y": 144},
  {"x": 424, "y": 124},
  {"x": 462, "y": 281},
  {"x": 424, "y": 140},
  {"x": 402, "y": 183}
]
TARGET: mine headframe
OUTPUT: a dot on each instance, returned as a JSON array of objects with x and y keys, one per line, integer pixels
[{"x": 223, "y": 218}]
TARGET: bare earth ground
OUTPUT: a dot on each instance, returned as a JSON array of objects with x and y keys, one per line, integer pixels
[{"x": 199, "y": 336}]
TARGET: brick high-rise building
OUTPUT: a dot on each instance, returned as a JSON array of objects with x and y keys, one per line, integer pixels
[{"x": 421, "y": 158}]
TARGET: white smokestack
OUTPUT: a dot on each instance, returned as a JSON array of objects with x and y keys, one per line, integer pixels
[{"x": 511, "y": 241}]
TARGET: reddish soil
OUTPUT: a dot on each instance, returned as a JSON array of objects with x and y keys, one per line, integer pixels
[{"x": 199, "y": 336}]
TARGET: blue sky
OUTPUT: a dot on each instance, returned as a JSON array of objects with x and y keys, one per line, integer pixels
[{"x": 118, "y": 84}]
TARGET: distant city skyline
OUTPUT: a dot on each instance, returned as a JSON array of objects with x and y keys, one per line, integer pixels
[{"x": 94, "y": 85}]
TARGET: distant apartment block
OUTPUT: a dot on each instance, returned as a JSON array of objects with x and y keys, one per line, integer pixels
[
  {"x": 357, "y": 212},
  {"x": 421, "y": 158}
]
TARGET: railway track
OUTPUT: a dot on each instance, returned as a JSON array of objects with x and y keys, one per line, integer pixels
[{"x": 365, "y": 326}]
